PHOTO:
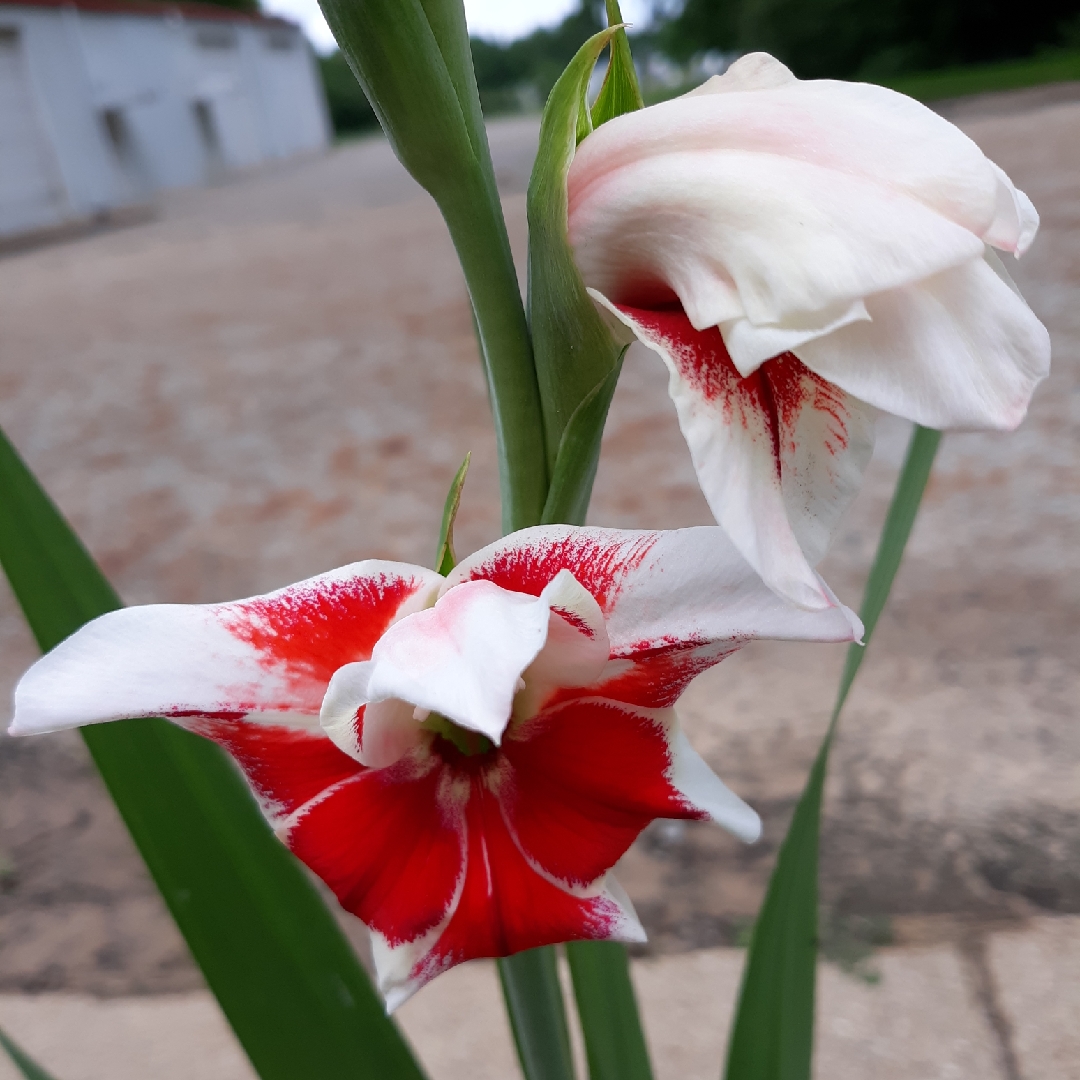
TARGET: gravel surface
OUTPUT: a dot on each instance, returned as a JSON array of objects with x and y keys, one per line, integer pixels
[{"x": 278, "y": 376}]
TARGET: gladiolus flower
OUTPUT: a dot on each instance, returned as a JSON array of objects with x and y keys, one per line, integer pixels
[
  {"x": 801, "y": 254},
  {"x": 461, "y": 760}
]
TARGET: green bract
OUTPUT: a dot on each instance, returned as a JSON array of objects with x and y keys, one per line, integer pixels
[{"x": 575, "y": 353}]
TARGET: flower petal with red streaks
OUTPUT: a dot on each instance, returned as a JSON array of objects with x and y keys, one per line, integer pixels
[
  {"x": 390, "y": 844},
  {"x": 779, "y": 454},
  {"x": 505, "y": 906},
  {"x": 658, "y": 589},
  {"x": 272, "y": 653}
]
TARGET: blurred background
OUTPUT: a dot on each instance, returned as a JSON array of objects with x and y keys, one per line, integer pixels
[
  {"x": 931, "y": 49},
  {"x": 235, "y": 346}
]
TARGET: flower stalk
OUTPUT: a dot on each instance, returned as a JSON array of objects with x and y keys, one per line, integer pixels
[{"x": 414, "y": 62}]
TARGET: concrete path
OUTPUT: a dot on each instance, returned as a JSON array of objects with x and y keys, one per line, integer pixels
[{"x": 934, "y": 1013}]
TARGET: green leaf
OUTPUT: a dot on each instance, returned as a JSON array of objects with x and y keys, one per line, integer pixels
[
  {"x": 579, "y": 455},
  {"x": 445, "y": 559},
  {"x": 620, "y": 92},
  {"x": 773, "y": 1034},
  {"x": 573, "y": 347},
  {"x": 534, "y": 1002},
  {"x": 29, "y": 1068},
  {"x": 282, "y": 971},
  {"x": 614, "y": 1041}
]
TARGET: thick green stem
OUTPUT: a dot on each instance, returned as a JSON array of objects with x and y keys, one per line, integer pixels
[
  {"x": 474, "y": 216},
  {"x": 534, "y": 1000}
]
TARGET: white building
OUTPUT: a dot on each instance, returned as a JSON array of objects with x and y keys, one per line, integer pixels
[{"x": 104, "y": 101}]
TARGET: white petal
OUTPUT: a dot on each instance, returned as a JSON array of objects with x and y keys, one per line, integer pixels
[
  {"x": 750, "y": 345},
  {"x": 959, "y": 350},
  {"x": 790, "y": 237},
  {"x": 386, "y": 730},
  {"x": 1016, "y": 221},
  {"x": 463, "y": 657},
  {"x": 704, "y": 790},
  {"x": 576, "y": 650},
  {"x": 754, "y": 71},
  {"x": 272, "y": 653}
]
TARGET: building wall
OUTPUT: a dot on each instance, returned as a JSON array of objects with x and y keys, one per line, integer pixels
[{"x": 121, "y": 105}]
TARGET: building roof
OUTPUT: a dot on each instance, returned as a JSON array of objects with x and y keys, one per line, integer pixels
[{"x": 189, "y": 9}]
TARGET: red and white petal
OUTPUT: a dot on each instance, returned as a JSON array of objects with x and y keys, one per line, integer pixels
[
  {"x": 272, "y": 653},
  {"x": 286, "y": 767},
  {"x": 581, "y": 781},
  {"x": 658, "y": 589},
  {"x": 577, "y": 648},
  {"x": 376, "y": 735},
  {"x": 779, "y": 454},
  {"x": 390, "y": 844},
  {"x": 959, "y": 350},
  {"x": 655, "y": 678},
  {"x": 506, "y": 907},
  {"x": 462, "y": 658}
]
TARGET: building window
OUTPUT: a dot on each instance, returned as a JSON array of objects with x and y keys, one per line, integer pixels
[
  {"x": 216, "y": 37},
  {"x": 281, "y": 38}
]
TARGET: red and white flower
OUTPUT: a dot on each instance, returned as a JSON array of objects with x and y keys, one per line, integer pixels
[
  {"x": 801, "y": 254},
  {"x": 461, "y": 760}
]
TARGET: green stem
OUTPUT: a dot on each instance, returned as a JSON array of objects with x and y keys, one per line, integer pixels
[
  {"x": 534, "y": 1001},
  {"x": 474, "y": 217}
]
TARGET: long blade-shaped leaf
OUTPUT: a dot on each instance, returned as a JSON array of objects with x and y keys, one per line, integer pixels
[
  {"x": 773, "y": 1034},
  {"x": 282, "y": 971},
  {"x": 614, "y": 1042},
  {"x": 534, "y": 1001},
  {"x": 26, "y": 1065}
]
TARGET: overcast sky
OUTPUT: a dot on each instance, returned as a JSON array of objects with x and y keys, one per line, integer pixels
[{"x": 501, "y": 19}]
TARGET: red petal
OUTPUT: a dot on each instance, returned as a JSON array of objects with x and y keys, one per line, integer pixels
[
  {"x": 316, "y": 627},
  {"x": 287, "y": 767},
  {"x": 585, "y": 779},
  {"x": 505, "y": 905},
  {"x": 389, "y": 846},
  {"x": 598, "y": 562}
]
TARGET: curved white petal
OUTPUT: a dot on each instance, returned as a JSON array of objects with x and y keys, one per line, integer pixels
[
  {"x": 377, "y": 737},
  {"x": 272, "y": 653},
  {"x": 855, "y": 128},
  {"x": 771, "y": 207},
  {"x": 705, "y": 791},
  {"x": 577, "y": 646},
  {"x": 736, "y": 233},
  {"x": 959, "y": 350},
  {"x": 462, "y": 658},
  {"x": 779, "y": 455},
  {"x": 657, "y": 589}
]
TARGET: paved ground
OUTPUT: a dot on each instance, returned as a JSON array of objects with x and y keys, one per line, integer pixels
[
  {"x": 278, "y": 376},
  {"x": 925, "y": 1018}
]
